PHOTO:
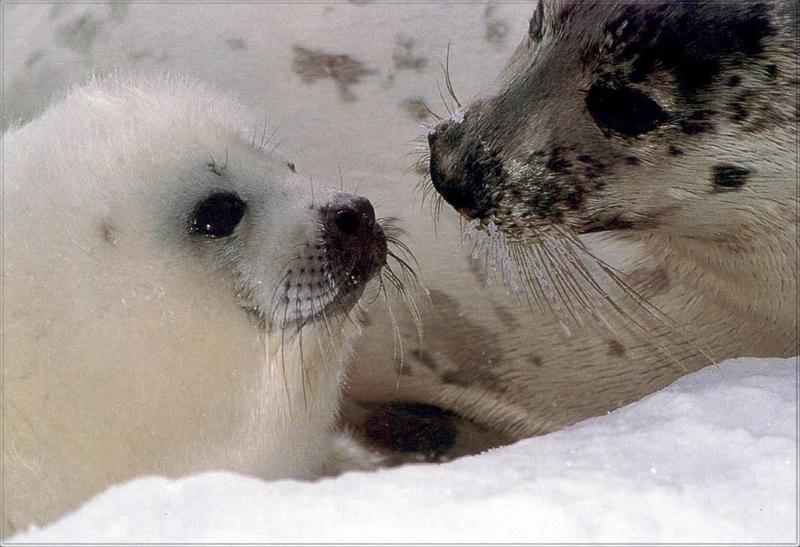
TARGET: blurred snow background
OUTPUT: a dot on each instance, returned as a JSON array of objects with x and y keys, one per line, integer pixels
[{"x": 712, "y": 458}]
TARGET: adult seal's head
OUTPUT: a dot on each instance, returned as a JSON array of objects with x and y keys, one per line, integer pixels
[
  {"x": 631, "y": 116},
  {"x": 176, "y": 297},
  {"x": 635, "y": 175}
]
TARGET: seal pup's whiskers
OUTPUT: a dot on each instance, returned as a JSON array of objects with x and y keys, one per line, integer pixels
[{"x": 406, "y": 285}]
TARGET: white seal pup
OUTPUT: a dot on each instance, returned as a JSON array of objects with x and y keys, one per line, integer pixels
[{"x": 176, "y": 298}]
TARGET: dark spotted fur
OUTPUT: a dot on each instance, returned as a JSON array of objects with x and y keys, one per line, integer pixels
[{"x": 600, "y": 89}]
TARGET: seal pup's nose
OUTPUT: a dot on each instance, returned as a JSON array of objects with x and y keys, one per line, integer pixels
[
  {"x": 350, "y": 215},
  {"x": 354, "y": 240}
]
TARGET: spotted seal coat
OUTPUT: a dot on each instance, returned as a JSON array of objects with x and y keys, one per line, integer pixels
[{"x": 657, "y": 141}]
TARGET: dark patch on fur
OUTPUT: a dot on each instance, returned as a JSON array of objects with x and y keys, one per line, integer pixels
[
  {"x": 615, "y": 348},
  {"x": 593, "y": 168},
  {"x": 412, "y": 427},
  {"x": 730, "y": 176},
  {"x": 468, "y": 376},
  {"x": 698, "y": 121},
  {"x": 556, "y": 162},
  {"x": 632, "y": 160},
  {"x": 313, "y": 64},
  {"x": 734, "y": 80},
  {"x": 535, "y": 360},
  {"x": 546, "y": 193},
  {"x": 675, "y": 151},
  {"x": 506, "y": 318},
  {"x": 650, "y": 282},
  {"x": 606, "y": 225},
  {"x": 690, "y": 42},
  {"x": 738, "y": 106},
  {"x": 425, "y": 358},
  {"x": 772, "y": 71},
  {"x": 574, "y": 197},
  {"x": 403, "y": 369}
]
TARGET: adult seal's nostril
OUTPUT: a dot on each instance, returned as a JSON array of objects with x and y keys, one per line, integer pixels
[
  {"x": 462, "y": 192},
  {"x": 463, "y": 185}
]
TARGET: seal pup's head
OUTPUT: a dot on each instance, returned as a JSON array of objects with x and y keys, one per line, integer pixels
[
  {"x": 177, "y": 297},
  {"x": 615, "y": 116}
]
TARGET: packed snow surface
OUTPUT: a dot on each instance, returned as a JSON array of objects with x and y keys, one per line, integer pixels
[{"x": 712, "y": 458}]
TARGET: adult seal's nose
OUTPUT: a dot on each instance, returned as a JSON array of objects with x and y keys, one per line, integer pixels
[
  {"x": 460, "y": 192},
  {"x": 460, "y": 183},
  {"x": 433, "y": 134}
]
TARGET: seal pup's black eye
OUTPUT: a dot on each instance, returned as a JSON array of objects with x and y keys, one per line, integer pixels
[
  {"x": 624, "y": 110},
  {"x": 217, "y": 215},
  {"x": 536, "y": 24}
]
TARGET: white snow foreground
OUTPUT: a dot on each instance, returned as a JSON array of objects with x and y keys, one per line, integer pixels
[{"x": 712, "y": 458}]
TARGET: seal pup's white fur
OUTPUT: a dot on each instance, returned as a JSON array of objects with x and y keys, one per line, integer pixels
[{"x": 128, "y": 348}]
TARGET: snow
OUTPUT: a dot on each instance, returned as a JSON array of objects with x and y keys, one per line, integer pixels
[{"x": 711, "y": 458}]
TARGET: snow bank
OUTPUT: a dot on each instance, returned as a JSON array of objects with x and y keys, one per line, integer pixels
[{"x": 712, "y": 458}]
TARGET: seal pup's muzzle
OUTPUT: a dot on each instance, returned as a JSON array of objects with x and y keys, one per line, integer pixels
[{"x": 331, "y": 271}]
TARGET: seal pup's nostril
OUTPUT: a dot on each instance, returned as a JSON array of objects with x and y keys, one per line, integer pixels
[
  {"x": 351, "y": 216},
  {"x": 354, "y": 242},
  {"x": 366, "y": 210},
  {"x": 348, "y": 222}
]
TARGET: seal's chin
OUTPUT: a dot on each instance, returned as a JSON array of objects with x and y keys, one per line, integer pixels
[
  {"x": 350, "y": 286},
  {"x": 322, "y": 285}
]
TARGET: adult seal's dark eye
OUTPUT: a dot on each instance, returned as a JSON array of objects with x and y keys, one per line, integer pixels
[
  {"x": 536, "y": 25},
  {"x": 217, "y": 215},
  {"x": 624, "y": 110}
]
